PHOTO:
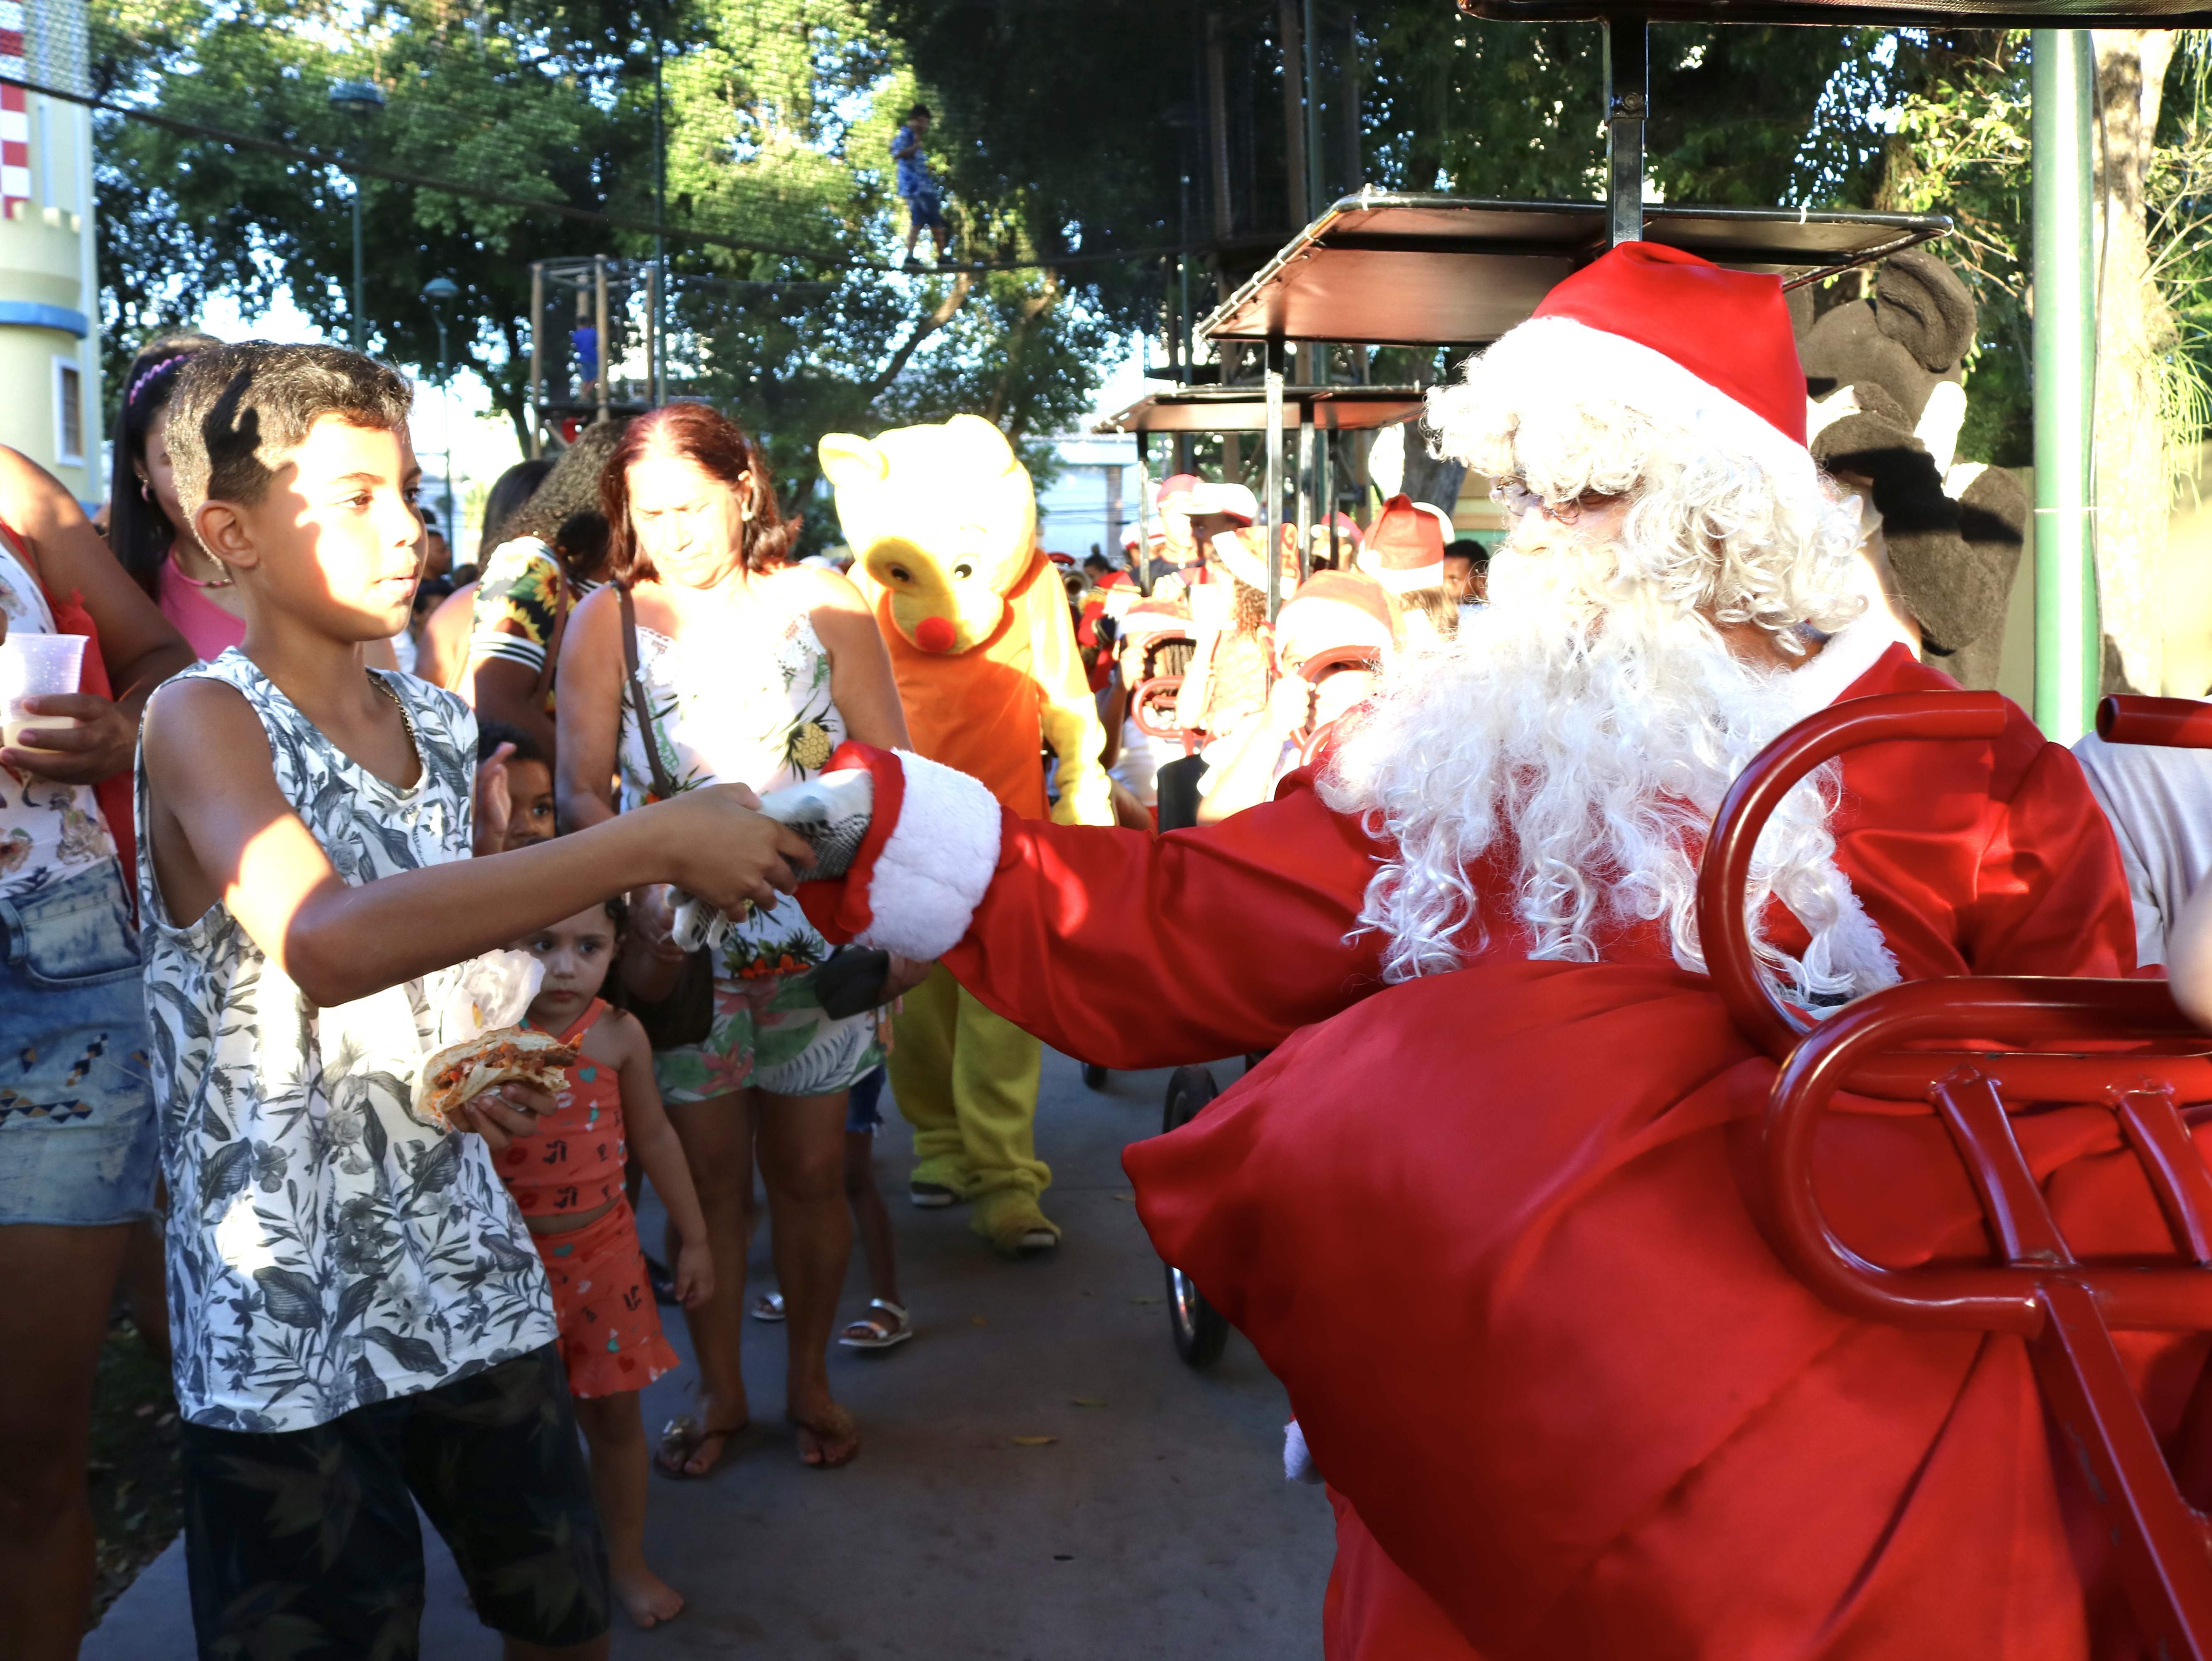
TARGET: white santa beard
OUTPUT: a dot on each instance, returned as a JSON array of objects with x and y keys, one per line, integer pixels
[{"x": 1596, "y": 728}]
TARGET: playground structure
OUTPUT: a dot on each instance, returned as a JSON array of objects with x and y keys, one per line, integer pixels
[{"x": 574, "y": 376}]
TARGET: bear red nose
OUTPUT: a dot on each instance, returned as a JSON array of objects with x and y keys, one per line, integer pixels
[{"x": 934, "y": 634}]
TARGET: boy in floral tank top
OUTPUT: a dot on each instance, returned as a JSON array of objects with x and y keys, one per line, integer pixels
[{"x": 361, "y": 1323}]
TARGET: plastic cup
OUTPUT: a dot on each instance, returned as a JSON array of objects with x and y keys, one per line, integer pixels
[{"x": 35, "y": 666}]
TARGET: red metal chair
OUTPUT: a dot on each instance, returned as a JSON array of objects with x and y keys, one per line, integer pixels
[{"x": 2149, "y": 1061}]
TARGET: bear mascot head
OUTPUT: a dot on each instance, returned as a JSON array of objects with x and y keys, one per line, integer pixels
[
  {"x": 1886, "y": 377},
  {"x": 942, "y": 519},
  {"x": 942, "y": 522}
]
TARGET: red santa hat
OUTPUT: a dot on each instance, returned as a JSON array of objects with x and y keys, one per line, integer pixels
[
  {"x": 1332, "y": 610},
  {"x": 1405, "y": 549},
  {"x": 1661, "y": 331}
]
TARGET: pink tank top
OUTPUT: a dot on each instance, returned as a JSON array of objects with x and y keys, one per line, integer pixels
[
  {"x": 207, "y": 628},
  {"x": 574, "y": 1162}
]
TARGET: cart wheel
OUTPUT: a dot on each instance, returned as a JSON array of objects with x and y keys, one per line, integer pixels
[
  {"x": 1198, "y": 1330},
  {"x": 1094, "y": 1076}
]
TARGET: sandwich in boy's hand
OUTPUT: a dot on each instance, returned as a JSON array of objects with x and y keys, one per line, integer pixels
[{"x": 507, "y": 1054}]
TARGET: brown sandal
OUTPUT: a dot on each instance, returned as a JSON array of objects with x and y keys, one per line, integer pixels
[{"x": 681, "y": 1438}]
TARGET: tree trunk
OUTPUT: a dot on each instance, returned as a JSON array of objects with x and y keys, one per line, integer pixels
[
  {"x": 1431, "y": 479},
  {"x": 1292, "y": 28},
  {"x": 2135, "y": 330}
]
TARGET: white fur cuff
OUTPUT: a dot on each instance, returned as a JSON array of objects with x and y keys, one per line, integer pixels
[{"x": 936, "y": 864}]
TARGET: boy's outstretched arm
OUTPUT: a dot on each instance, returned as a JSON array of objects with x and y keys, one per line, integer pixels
[{"x": 219, "y": 829}]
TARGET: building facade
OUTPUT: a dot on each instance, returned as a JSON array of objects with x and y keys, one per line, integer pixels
[{"x": 49, "y": 272}]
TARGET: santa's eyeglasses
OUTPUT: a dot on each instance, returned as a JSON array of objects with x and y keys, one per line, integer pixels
[{"x": 1512, "y": 493}]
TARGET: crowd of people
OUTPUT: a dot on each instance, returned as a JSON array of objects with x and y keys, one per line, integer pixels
[{"x": 248, "y": 887}]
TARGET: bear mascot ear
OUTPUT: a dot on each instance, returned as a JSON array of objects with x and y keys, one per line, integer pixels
[
  {"x": 1922, "y": 305},
  {"x": 973, "y": 434},
  {"x": 849, "y": 459}
]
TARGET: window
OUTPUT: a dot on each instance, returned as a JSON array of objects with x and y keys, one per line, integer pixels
[{"x": 68, "y": 413}]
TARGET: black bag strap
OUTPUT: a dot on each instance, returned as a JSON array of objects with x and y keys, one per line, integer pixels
[{"x": 662, "y": 787}]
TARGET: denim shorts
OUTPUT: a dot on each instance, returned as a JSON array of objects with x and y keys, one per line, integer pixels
[
  {"x": 78, "y": 1141},
  {"x": 864, "y": 1113}
]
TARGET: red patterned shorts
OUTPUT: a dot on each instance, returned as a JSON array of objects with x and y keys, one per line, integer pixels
[{"x": 610, "y": 1336}]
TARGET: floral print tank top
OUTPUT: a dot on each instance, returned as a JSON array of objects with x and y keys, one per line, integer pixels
[
  {"x": 746, "y": 706},
  {"x": 327, "y": 1248}
]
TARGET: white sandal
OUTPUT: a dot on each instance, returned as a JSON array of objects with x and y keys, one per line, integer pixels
[
  {"x": 768, "y": 1306},
  {"x": 879, "y": 1335}
]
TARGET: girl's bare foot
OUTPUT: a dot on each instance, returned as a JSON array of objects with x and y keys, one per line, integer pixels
[
  {"x": 649, "y": 1599},
  {"x": 827, "y": 1435}
]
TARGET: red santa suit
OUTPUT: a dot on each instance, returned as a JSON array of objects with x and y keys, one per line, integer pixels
[{"x": 1494, "y": 1229}]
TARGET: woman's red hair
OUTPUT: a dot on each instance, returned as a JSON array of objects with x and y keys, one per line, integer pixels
[{"x": 702, "y": 435}]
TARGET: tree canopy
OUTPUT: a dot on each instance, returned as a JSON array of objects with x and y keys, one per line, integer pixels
[{"x": 1079, "y": 145}]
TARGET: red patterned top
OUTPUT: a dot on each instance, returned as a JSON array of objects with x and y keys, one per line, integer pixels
[{"x": 574, "y": 1162}]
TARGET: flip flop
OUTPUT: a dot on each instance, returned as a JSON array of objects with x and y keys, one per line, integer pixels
[
  {"x": 877, "y": 1332},
  {"x": 768, "y": 1306},
  {"x": 680, "y": 1438}
]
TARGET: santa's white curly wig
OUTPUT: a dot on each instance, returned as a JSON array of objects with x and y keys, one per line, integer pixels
[
  {"x": 1730, "y": 517},
  {"x": 1588, "y": 722}
]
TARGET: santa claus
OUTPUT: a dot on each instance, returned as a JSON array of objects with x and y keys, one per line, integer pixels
[{"x": 1489, "y": 1210}]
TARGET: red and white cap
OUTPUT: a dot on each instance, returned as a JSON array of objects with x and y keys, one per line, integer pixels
[
  {"x": 1332, "y": 610},
  {"x": 1405, "y": 548},
  {"x": 1207, "y": 497},
  {"x": 1174, "y": 491},
  {"x": 1348, "y": 533}
]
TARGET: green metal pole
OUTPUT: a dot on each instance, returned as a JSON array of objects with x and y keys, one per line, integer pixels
[{"x": 2069, "y": 648}]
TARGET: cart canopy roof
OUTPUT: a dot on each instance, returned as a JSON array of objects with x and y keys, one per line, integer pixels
[
  {"x": 1244, "y": 410},
  {"x": 1891, "y": 14},
  {"x": 1382, "y": 269}
]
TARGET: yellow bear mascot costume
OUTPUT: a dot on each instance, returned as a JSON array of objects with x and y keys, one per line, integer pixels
[{"x": 942, "y": 521}]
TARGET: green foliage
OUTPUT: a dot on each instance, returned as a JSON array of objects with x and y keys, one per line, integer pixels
[{"x": 779, "y": 119}]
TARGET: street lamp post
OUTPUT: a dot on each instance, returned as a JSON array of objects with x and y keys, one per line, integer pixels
[
  {"x": 440, "y": 292},
  {"x": 360, "y": 100}
]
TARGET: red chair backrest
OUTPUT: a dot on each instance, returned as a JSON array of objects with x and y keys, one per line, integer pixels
[{"x": 2039, "y": 1036}]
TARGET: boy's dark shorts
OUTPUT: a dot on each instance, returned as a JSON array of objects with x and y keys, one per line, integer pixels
[
  {"x": 304, "y": 1543},
  {"x": 926, "y": 209}
]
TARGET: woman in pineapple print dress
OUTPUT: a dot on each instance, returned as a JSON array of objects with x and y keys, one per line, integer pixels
[{"x": 752, "y": 671}]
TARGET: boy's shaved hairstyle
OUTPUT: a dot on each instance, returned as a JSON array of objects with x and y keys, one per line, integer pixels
[{"x": 239, "y": 412}]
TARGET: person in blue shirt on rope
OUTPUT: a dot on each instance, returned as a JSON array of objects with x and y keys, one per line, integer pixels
[{"x": 919, "y": 191}]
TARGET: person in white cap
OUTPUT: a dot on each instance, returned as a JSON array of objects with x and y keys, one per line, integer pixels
[
  {"x": 1484, "y": 1210},
  {"x": 1227, "y": 685},
  {"x": 1332, "y": 639}
]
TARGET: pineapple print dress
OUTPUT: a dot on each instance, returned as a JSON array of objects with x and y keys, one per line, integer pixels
[{"x": 750, "y": 706}]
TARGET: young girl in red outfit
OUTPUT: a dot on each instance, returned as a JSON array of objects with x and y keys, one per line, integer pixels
[{"x": 568, "y": 1181}]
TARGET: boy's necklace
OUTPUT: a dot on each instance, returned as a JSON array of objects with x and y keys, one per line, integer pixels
[{"x": 176, "y": 560}]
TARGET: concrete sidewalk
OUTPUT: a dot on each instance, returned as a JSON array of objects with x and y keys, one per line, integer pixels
[{"x": 1155, "y": 1524}]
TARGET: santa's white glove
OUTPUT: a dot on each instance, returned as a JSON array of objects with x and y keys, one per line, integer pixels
[{"x": 915, "y": 852}]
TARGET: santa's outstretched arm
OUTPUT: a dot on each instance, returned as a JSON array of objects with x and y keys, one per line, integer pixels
[{"x": 1128, "y": 950}]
